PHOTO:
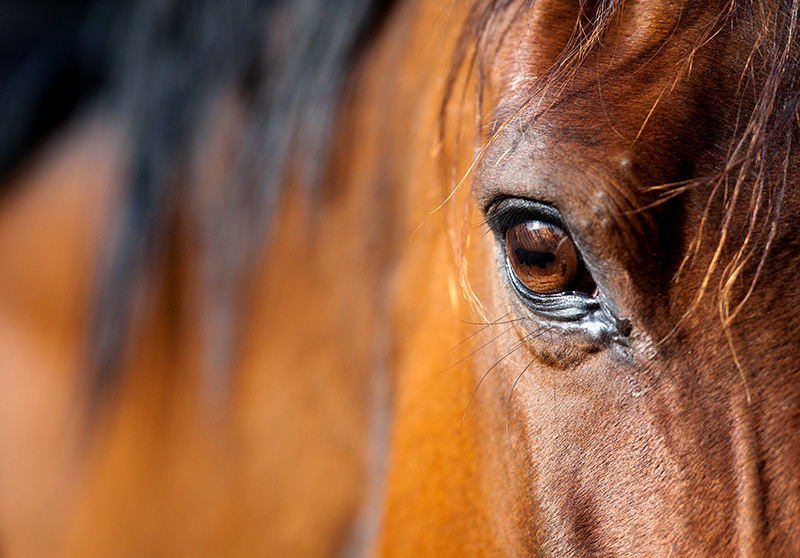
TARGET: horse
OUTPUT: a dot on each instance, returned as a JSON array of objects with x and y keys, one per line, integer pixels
[{"x": 402, "y": 278}]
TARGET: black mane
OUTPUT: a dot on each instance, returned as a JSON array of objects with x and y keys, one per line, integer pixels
[{"x": 160, "y": 65}]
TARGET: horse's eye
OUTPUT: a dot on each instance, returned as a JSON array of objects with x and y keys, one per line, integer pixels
[{"x": 543, "y": 258}]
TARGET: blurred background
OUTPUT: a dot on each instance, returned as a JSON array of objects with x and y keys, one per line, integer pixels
[{"x": 182, "y": 369}]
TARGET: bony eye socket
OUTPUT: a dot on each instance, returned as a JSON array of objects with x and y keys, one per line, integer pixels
[{"x": 543, "y": 258}]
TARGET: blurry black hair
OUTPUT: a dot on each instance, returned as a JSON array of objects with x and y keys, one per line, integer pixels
[
  {"x": 161, "y": 65},
  {"x": 50, "y": 66}
]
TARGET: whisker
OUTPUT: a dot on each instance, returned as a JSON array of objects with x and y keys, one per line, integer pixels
[
  {"x": 482, "y": 329},
  {"x": 508, "y": 402},
  {"x": 505, "y": 356},
  {"x": 484, "y": 322},
  {"x": 521, "y": 344},
  {"x": 492, "y": 340},
  {"x": 485, "y": 325}
]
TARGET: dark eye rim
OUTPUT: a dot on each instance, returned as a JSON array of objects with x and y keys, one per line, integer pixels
[{"x": 563, "y": 306}]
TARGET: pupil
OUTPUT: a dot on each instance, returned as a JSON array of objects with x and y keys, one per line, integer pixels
[{"x": 533, "y": 258}]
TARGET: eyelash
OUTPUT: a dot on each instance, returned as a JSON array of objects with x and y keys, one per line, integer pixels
[{"x": 505, "y": 212}]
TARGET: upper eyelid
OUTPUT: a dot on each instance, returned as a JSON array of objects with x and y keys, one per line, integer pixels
[{"x": 505, "y": 212}]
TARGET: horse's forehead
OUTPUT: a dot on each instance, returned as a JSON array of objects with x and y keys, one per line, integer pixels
[
  {"x": 638, "y": 45},
  {"x": 634, "y": 112}
]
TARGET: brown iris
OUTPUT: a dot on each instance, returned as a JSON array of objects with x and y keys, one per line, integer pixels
[{"x": 542, "y": 257}]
